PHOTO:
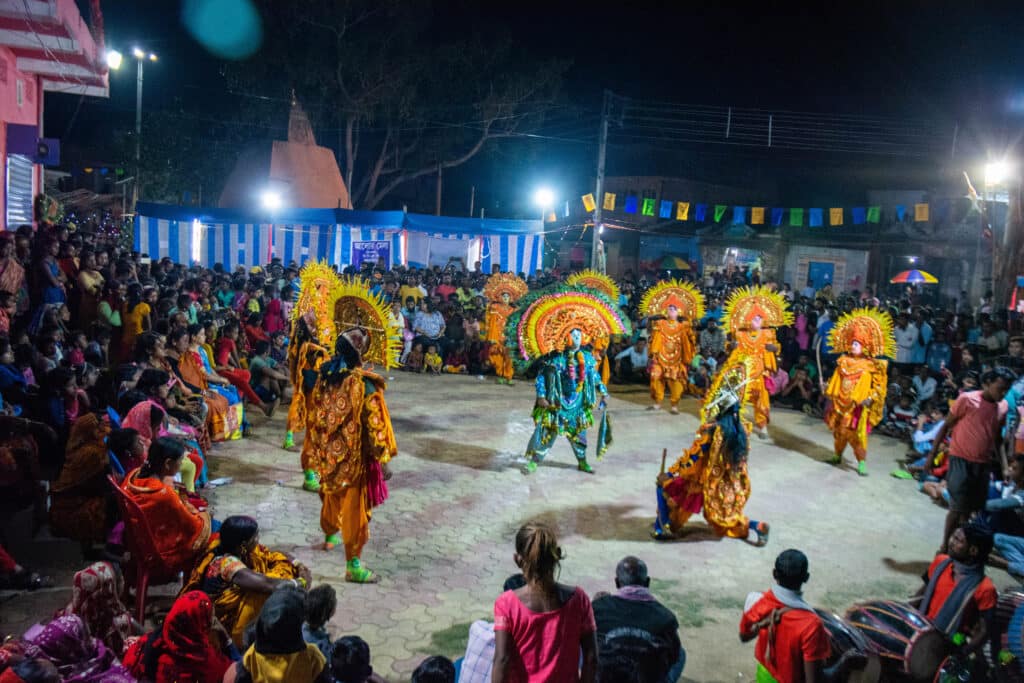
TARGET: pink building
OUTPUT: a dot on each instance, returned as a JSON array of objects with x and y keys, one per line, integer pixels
[{"x": 45, "y": 46}]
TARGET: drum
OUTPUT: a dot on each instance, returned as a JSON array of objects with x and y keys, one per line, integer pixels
[
  {"x": 1009, "y": 630},
  {"x": 904, "y": 638},
  {"x": 844, "y": 638}
]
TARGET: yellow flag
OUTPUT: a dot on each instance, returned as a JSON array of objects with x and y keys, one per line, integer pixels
[
  {"x": 835, "y": 216},
  {"x": 683, "y": 211},
  {"x": 588, "y": 202},
  {"x": 609, "y": 201},
  {"x": 757, "y": 215},
  {"x": 920, "y": 213}
]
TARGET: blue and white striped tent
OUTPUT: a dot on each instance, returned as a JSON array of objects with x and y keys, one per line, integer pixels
[{"x": 235, "y": 237}]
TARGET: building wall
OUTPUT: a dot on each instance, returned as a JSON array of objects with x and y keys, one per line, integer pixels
[
  {"x": 14, "y": 109},
  {"x": 851, "y": 266}
]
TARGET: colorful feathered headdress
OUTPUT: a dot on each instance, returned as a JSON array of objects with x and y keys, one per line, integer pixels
[
  {"x": 683, "y": 295},
  {"x": 355, "y": 306},
  {"x": 591, "y": 279},
  {"x": 746, "y": 302},
  {"x": 871, "y": 327},
  {"x": 318, "y": 287},
  {"x": 545, "y": 318},
  {"x": 505, "y": 283}
]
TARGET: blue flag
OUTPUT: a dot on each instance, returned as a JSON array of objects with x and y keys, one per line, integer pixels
[
  {"x": 631, "y": 204},
  {"x": 815, "y": 217},
  {"x": 702, "y": 213},
  {"x": 860, "y": 215},
  {"x": 739, "y": 215},
  {"x": 901, "y": 211},
  {"x": 777, "y": 216},
  {"x": 665, "y": 210}
]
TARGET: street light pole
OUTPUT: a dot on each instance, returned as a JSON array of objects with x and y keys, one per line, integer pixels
[
  {"x": 595, "y": 245},
  {"x": 138, "y": 129}
]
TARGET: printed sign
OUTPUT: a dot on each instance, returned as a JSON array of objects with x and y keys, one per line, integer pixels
[{"x": 370, "y": 251}]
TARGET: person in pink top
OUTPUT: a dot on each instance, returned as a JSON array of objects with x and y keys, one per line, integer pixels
[
  {"x": 974, "y": 428},
  {"x": 544, "y": 630}
]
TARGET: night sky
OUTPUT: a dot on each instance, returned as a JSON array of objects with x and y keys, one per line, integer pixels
[{"x": 940, "y": 62}]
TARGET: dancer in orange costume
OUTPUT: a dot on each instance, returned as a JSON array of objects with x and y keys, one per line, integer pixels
[
  {"x": 750, "y": 316},
  {"x": 502, "y": 291},
  {"x": 349, "y": 439},
  {"x": 858, "y": 385},
  {"x": 669, "y": 307}
]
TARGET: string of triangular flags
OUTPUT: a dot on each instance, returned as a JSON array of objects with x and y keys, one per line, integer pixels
[{"x": 700, "y": 213}]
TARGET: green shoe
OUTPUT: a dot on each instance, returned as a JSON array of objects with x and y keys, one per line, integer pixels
[
  {"x": 584, "y": 466},
  {"x": 835, "y": 460},
  {"x": 530, "y": 467},
  {"x": 862, "y": 468},
  {"x": 331, "y": 542},
  {"x": 356, "y": 573},
  {"x": 312, "y": 483},
  {"x": 289, "y": 441}
]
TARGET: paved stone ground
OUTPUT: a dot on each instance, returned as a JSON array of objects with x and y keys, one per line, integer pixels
[{"x": 443, "y": 542}]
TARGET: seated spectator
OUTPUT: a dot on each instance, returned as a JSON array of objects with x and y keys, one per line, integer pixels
[
  {"x": 631, "y": 363},
  {"x": 962, "y": 600},
  {"x": 900, "y": 421},
  {"x": 712, "y": 337},
  {"x": 190, "y": 646},
  {"x": 436, "y": 669},
  {"x": 150, "y": 420},
  {"x": 279, "y": 654},
  {"x": 633, "y": 614},
  {"x": 96, "y": 600},
  {"x": 414, "y": 362},
  {"x": 224, "y": 417},
  {"x": 429, "y": 326},
  {"x": 78, "y": 656},
  {"x": 269, "y": 381},
  {"x": 475, "y": 666},
  {"x": 239, "y": 574},
  {"x": 924, "y": 385},
  {"x": 321, "y": 603},
  {"x": 1004, "y": 510},
  {"x": 229, "y": 366},
  {"x": 432, "y": 360},
  {"x": 179, "y": 529},
  {"x": 81, "y": 505},
  {"x": 544, "y": 631},
  {"x": 350, "y": 662},
  {"x": 37, "y": 670},
  {"x": 928, "y": 425},
  {"x": 800, "y": 393},
  {"x": 457, "y": 362}
]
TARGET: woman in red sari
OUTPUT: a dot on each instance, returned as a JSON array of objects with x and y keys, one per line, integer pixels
[
  {"x": 182, "y": 650},
  {"x": 180, "y": 531}
]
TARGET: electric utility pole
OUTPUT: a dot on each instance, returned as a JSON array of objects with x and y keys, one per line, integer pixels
[{"x": 595, "y": 246}]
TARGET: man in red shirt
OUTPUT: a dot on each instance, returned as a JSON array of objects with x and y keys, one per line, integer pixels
[
  {"x": 957, "y": 596},
  {"x": 974, "y": 425},
  {"x": 792, "y": 644}
]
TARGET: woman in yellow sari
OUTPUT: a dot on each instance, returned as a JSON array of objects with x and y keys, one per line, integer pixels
[{"x": 239, "y": 574}]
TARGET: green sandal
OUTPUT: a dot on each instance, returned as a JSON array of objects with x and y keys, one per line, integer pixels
[
  {"x": 356, "y": 573},
  {"x": 584, "y": 466},
  {"x": 311, "y": 483},
  {"x": 862, "y": 468},
  {"x": 289, "y": 441},
  {"x": 530, "y": 467},
  {"x": 331, "y": 542},
  {"x": 835, "y": 460}
]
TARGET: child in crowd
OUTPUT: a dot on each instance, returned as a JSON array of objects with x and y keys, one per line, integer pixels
[
  {"x": 928, "y": 425},
  {"x": 432, "y": 361},
  {"x": 321, "y": 603},
  {"x": 457, "y": 362},
  {"x": 436, "y": 669},
  {"x": 350, "y": 662},
  {"x": 900, "y": 421},
  {"x": 279, "y": 347},
  {"x": 269, "y": 381},
  {"x": 76, "y": 349},
  {"x": 414, "y": 361}
]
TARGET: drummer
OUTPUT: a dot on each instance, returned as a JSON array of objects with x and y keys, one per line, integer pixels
[
  {"x": 797, "y": 648},
  {"x": 957, "y": 596}
]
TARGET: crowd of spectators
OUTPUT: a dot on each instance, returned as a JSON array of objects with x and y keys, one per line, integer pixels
[{"x": 120, "y": 371}]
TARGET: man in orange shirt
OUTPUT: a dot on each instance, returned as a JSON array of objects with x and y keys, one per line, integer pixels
[
  {"x": 974, "y": 426},
  {"x": 792, "y": 644},
  {"x": 957, "y": 596}
]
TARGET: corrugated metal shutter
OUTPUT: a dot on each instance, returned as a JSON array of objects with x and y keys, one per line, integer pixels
[{"x": 19, "y": 190}]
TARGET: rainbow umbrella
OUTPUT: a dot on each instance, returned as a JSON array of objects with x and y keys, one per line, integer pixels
[
  {"x": 915, "y": 277},
  {"x": 674, "y": 263}
]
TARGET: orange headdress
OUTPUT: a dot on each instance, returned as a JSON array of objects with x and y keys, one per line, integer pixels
[
  {"x": 746, "y": 302},
  {"x": 367, "y": 323},
  {"x": 505, "y": 283},
  {"x": 545, "y": 320},
  {"x": 592, "y": 279},
  {"x": 872, "y": 328},
  {"x": 683, "y": 295}
]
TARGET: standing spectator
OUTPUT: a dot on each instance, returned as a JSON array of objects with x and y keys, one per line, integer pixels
[
  {"x": 939, "y": 354},
  {"x": 808, "y": 290},
  {"x": 545, "y": 629},
  {"x": 712, "y": 340},
  {"x": 974, "y": 426},
  {"x": 906, "y": 339},
  {"x": 634, "y": 614},
  {"x": 924, "y": 336}
]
